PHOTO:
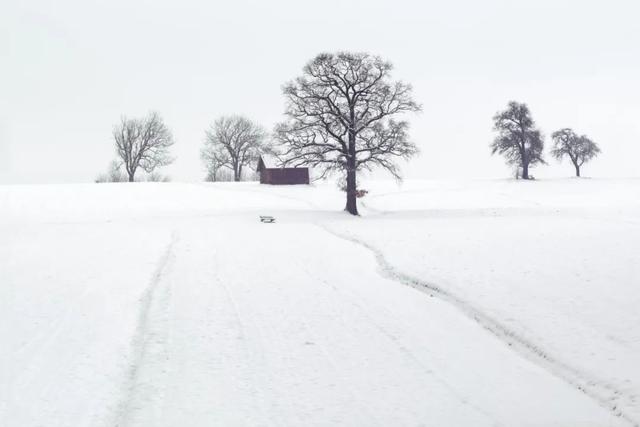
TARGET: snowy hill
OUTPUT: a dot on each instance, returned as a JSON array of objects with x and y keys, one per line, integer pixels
[{"x": 447, "y": 303}]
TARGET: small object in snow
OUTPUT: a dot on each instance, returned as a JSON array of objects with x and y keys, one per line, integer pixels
[{"x": 267, "y": 219}]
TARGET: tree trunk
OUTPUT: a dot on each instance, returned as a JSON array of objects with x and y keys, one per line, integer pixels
[
  {"x": 352, "y": 206},
  {"x": 352, "y": 185},
  {"x": 525, "y": 170},
  {"x": 577, "y": 169},
  {"x": 236, "y": 173},
  {"x": 524, "y": 158},
  {"x": 131, "y": 176}
]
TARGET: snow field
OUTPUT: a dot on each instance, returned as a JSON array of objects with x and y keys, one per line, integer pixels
[{"x": 171, "y": 304}]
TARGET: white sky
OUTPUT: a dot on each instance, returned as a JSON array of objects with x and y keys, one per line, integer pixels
[{"x": 70, "y": 69}]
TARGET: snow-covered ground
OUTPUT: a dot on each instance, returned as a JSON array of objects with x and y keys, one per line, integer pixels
[{"x": 447, "y": 303}]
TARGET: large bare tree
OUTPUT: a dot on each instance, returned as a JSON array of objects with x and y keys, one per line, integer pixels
[
  {"x": 232, "y": 142},
  {"x": 340, "y": 118},
  {"x": 579, "y": 148},
  {"x": 143, "y": 143},
  {"x": 518, "y": 140}
]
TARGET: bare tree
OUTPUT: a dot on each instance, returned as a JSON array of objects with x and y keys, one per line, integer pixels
[
  {"x": 579, "y": 148},
  {"x": 232, "y": 142},
  {"x": 518, "y": 140},
  {"x": 340, "y": 118},
  {"x": 143, "y": 143}
]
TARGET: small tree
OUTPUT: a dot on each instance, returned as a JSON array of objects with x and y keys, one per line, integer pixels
[
  {"x": 340, "y": 118},
  {"x": 143, "y": 143},
  {"x": 114, "y": 173},
  {"x": 213, "y": 157},
  {"x": 232, "y": 142},
  {"x": 518, "y": 139},
  {"x": 579, "y": 148}
]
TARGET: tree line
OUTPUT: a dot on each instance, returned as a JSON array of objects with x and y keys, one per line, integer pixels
[
  {"x": 522, "y": 143},
  {"x": 342, "y": 116}
]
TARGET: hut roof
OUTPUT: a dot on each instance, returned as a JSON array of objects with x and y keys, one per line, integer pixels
[{"x": 268, "y": 161}]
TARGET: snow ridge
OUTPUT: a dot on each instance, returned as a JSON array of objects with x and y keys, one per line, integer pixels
[
  {"x": 148, "y": 344},
  {"x": 605, "y": 394}
]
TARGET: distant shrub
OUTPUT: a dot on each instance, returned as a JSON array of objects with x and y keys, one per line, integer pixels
[
  {"x": 156, "y": 177},
  {"x": 114, "y": 174}
]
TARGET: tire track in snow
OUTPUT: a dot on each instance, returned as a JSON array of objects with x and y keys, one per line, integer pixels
[
  {"x": 605, "y": 394},
  {"x": 148, "y": 341}
]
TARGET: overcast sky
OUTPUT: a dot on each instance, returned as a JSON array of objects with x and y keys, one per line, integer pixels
[{"x": 70, "y": 69}]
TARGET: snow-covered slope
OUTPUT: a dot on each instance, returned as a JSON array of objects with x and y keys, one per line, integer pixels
[
  {"x": 554, "y": 266},
  {"x": 171, "y": 304}
]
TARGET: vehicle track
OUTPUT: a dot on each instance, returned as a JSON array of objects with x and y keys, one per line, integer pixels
[
  {"x": 148, "y": 341},
  {"x": 604, "y": 393}
]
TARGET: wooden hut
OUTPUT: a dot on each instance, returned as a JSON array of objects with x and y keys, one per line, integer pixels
[{"x": 270, "y": 173}]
